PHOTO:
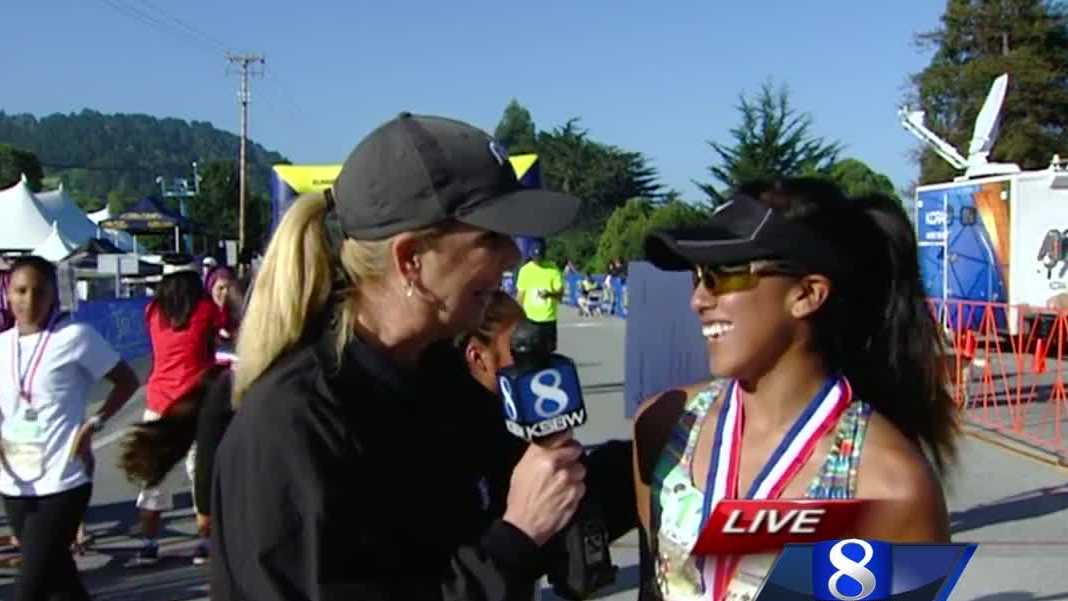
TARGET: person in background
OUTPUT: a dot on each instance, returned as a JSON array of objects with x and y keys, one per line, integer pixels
[
  {"x": 569, "y": 268},
  {"x": 487, "y": 350},
  {"x": 7, "y": 318},
  {"x": 151, "y": 449},
  {"x": 221, "y": 285},
  {"x": 611, "y": 275},
  {"x": 589, "y": 300},
  {"x": 346, "y": 425},
  {"x": 539, "y": 290},
  {"x": 206, "y": 265},
  {"x": 46, "y": 463},
  {"x": 825, "y": 358},
  {"x": 183, "y": 323}
]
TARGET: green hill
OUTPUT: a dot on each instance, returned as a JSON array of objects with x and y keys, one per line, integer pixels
[{"x": 119, "y": 156}]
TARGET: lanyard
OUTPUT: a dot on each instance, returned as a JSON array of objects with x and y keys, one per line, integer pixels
[
  {"x": 793, "y": 451},
  {"x": 24, "y": 381}
]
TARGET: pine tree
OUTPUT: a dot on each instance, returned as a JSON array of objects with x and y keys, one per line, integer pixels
[
  {"x": 516, "y": 129},
  {"x": 773, "y": 140}
]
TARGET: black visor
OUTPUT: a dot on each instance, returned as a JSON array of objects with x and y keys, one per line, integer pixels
[{"x": 740, "y": 231}]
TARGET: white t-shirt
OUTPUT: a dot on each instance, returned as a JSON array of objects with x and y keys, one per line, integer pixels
[{"x": 37, "y": 452}]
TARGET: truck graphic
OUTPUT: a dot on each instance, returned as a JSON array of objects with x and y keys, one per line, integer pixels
[{"x": 1052, "y": 252}]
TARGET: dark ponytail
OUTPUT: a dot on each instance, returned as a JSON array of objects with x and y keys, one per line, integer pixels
[
  {"x": 900, "y": 368},
  {"x": 876, "y": 326},
  {"x": 150, "y": 449}
]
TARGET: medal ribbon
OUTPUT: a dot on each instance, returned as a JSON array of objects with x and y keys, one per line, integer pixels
[
  {"x": 793, "y": 451},
  {"x": 24, "y": 383}
]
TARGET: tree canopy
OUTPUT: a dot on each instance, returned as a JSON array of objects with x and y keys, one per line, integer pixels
[
  {"x": 976, "y": 41},
  {"x": 95, "y": 155},
  {"x": 14, "y": 163},
  {"x": 516, "y": 129},
  {"x": 772, "y": 139}
]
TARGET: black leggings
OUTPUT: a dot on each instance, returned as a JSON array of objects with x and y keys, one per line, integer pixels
[{"x": 46, "y": 527}]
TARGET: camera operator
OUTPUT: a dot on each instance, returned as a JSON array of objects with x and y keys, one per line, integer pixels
[{"x": 486, "y": 351}]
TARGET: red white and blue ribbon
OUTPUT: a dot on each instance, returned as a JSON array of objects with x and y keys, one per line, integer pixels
[
  {"x": 793, "y": 451},
  {"x": 24, "y": 381}
]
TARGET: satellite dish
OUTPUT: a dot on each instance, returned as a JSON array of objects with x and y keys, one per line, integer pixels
[
  {"x": 983, "y": 136},
  {"x": 986, "y": 124}
]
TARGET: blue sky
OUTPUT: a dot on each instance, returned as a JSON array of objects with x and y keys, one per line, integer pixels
[{"x": 661, "y": 78}]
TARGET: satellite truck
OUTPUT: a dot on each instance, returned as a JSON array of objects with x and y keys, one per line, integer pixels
[{"x": 995, "y": 234}]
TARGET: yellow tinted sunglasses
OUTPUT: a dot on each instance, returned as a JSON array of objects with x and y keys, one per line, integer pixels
[{"x": 721, "y": 279}]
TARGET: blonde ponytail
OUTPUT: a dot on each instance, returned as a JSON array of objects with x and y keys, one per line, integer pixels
[{"x": 294, "y": 285}]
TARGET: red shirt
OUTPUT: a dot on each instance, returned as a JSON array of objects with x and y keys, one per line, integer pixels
[{"x": 180, "y": 357}]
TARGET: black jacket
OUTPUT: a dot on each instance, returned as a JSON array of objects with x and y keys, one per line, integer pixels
[
  {"x": 359, "y": 483},
  {"x": 212, "y": 420}
]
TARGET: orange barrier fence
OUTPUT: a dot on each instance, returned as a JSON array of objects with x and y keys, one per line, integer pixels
[{"x": 1006, "y": 369}]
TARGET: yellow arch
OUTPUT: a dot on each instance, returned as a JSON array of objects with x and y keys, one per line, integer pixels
[{"x": 308, "y": 178}]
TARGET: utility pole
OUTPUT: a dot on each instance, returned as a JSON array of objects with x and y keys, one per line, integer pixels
[{"x": 243, "y": 61}]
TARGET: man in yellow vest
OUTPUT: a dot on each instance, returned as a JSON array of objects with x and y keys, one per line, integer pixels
[{"x": 540, "y": 288}]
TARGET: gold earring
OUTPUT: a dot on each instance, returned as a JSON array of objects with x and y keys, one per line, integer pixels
[{"x": 410, "y": 290}]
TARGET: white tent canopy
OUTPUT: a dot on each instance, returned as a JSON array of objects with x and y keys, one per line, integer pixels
[
  {"x": 24, "y": 221},
  {"x": 56, "y": 247},
  {"x": 102, "y": 214},
  {"x": 73, "y": 222}
]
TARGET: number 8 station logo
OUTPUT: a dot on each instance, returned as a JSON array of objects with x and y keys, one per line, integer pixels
[{"x": 851, "y": 570}]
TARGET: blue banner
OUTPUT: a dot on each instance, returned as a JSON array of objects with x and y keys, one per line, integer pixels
[
  {"x": 121, "y": 321},
  {"x": 664, "y": 345}
]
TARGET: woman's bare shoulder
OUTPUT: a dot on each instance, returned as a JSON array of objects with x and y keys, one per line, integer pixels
[
  {"x": 678, "y": 396},
  {"x": 656, "y": 417},
  {"x": 896, "y": 473}
]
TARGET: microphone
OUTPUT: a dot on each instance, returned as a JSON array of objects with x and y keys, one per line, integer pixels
[
  {"x": 541, "y": 390},
  {"x": 542, "y": 396}
]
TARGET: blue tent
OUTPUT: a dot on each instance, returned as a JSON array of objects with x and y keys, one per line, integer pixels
[{"x": 149, "y": 216}]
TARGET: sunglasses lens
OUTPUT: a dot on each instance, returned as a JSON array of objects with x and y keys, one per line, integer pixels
[{"x": 720, "y": 280}]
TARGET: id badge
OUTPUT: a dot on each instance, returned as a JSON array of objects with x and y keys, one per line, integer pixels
[{"x": 24, "y": 447}]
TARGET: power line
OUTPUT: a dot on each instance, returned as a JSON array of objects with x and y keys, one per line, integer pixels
[
  {"x": 186, "y": 26},
  {"x": 143, "y": 16},
  {"x": 136, "y": 15}
]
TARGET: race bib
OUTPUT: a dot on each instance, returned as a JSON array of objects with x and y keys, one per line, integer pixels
[{"x": 24, "y": 447}]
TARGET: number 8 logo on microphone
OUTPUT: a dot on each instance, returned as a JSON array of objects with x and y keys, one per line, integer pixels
[
  {"x": 509, "y": 403},
  {"x": 551, "y": 399}
]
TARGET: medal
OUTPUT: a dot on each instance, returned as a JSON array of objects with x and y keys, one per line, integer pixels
[
  {"x": 24, "y": 381},
  {"x": 789, "y": 457}
]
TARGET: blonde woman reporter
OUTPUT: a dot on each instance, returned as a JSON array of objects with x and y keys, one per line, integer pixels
[{"x": 338, "y": 477}]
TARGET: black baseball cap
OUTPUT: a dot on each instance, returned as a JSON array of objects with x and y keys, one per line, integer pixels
[
  {"x": 416, "y": 170},
  {"x": 740, "y": 231}
]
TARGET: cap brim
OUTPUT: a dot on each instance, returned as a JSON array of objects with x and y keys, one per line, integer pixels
[
  {"x": 682, "y": 248},
  {"x": 527, "y": 212}
]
